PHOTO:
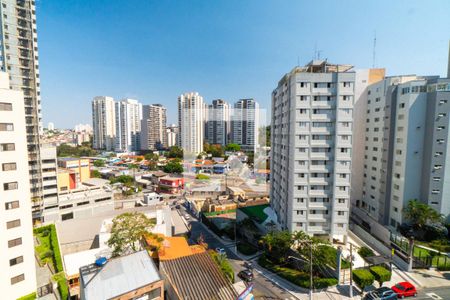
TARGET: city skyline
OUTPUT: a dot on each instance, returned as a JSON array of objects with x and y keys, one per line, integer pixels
[{"x": 225, "y": 54}]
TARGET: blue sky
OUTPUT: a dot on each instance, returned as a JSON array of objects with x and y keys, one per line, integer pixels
[{"x": 155, "y": 50}]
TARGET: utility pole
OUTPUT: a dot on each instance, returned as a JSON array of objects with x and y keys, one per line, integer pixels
[
  {"x": 310, "y": 272},
  {"x": 351, "y": 271}
]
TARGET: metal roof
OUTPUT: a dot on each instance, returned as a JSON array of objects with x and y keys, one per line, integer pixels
[{"x": 118, "y": 276}]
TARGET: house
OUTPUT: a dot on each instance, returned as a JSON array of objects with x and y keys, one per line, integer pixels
[
  {"x": 171, "y": 185},
  {"x": 133, "y": 276}
]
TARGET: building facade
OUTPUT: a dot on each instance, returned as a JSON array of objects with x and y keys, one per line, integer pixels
[
  {"x": 103, "y": 122},
  {"x": 172, "y": 132},
  {"x": 153, "y": 127},
  {"x": 18, "y": 275},
  {"x": 311, "y": 140},
  {"x": 245, "y": 124},
  {"x": 19, "y": 57},
  {"x": 128, "y": 125},
  {"x": 191, "y": 123},
  {"x": 406, "y": 147},
  {"x": 218, "y": 123}
]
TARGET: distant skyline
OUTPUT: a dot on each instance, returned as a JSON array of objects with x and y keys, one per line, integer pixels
[{"x": 153, "y": 51}]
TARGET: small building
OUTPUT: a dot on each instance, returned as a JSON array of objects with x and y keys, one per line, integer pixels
[
  {"x": 236, "y": 191},
  {"x": 171, "y": 185},
  {"x": 79, "y": 167},
  {"x": 133, "y": 276},
  {"x": 151, "y": 199}
]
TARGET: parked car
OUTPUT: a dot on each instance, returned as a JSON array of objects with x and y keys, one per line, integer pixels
[
  {"x": 382, "y": 293},
  {"x": 177, "y": 206},
  {"x": 187, "y": 217},
  {"x": 221, "y": 251},
  {"x": 246, "y": 275},
  {"x": 404, "y": 289},
  {"x": 248, "y": 265}
]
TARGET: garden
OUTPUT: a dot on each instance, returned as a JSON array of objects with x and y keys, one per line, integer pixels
[{"x": 49, "y": 253}]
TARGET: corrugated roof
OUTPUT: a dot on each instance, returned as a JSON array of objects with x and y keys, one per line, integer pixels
[
  {"x": 197, "y": 277},
  {"x": 120, "y": 275}
]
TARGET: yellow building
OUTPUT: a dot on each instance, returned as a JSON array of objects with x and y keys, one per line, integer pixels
[{"x": 72, "y": 172}]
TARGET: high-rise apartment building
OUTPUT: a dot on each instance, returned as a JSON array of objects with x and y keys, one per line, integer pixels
[
  {"x": 406, "y": 147},
  {"x": 191, "y": 123},
  {"x": 218, "y": 123},
  {"x": 153, "y": 127},
  {"x": 311, "y": 148},
  {"x": 103, "y": 122},
  {"x": 128, "y": 125},
  {"x": 245, "y": 124},
  {"x": 49, "y": 181},
  {"x": 18, "y": 275},
  {"x": 19, "y": 57},
  {"x": 172, "y": 135}
]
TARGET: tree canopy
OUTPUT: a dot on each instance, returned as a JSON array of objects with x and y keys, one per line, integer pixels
[
  {"x": 65, "y": 150},
  {"x": 233, "y": 147},
  {"x": 175, "y": 152},
  {"x": 126, "y": 232},
  {"x": 99, "y": 163},
  {"x": 215, "y": 150},
  {"x": 173, "y": 167},
  {"x": 420, "y": 214}
]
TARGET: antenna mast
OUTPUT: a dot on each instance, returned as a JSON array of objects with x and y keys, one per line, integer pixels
[{"x": 374, "y": 49}]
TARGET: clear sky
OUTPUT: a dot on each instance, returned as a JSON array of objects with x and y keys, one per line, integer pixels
[{"x": 155, "y": 50}]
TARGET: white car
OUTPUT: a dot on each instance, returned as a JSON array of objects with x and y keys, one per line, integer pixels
[
  {"x": 187, "y": 217},
  {"x": 221, "y": 251}
]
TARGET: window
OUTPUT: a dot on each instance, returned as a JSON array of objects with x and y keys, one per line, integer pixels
[
  {"x": 67, "y": 216},
  {"x": 15, "y": 242},
  {"x": 17, "y": 279},
  {"x": 7, "y": 147},
  {"x": 316, "y": 84},
  {"x": 6, "y": 127},
  {"x": 5, "y": 106},
  {"x": 154, "y": 294},
  {"x": 346, "y": 84},
  {"x": 9, "y": 166},
  {"x": 10, "y": 186},
  {"x": 341, "y": 213},
  {"x": 16, "y": 261},
  {"x": 82, "y": 203},
  {"x": 13, "y": 224},
  {"x": 11, "y": 205},
  {"x": 65, "y": 206}
]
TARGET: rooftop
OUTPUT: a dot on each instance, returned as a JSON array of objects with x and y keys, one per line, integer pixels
[
  {"x": 118, "y": 276},
  {"x": 197, "y": 277},
  {"x": 172, "y": 247}
]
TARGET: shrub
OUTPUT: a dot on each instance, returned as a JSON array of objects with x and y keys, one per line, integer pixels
[
  {"x": 381, "y": 274},
  {"x": 365, "y": 252},
  {"x": 363, "y": 278},
  {"x": 224, "y": 265},
  {"x": 31, "y": 296},
  {"x": 62, "y": 285},
  {"x": 55, "y": 249},
  {"x": 202, "y": 177}
]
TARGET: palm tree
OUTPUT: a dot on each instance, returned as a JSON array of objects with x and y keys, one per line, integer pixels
[{"x": 420, "y": 214}]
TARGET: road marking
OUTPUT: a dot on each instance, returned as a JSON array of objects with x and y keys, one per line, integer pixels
[{"x": 434, "y": 296}]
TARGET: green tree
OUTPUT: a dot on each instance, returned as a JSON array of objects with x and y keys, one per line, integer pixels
[
  {"x": 99, "y": 163},
  {"x": 420, "y": 214},
  {"x": 125, "y": 179},
  {"x": 233, "y": 147},
  {"x": 175, "y": 152},
  {"x": 127, "y": 231},
  {"x": 96, "y": 174},
  {"x": 276, "y": 245},
  {"x": 173, "y": 167},
  {"x": 151, "y": 157},
  {"x": 215, "y": 150}
]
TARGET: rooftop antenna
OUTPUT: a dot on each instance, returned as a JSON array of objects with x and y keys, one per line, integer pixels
[
  {"x": 318, "y": 54},
  {"x": 374, "y": 49},
  {"x": 315, "y": 51}
]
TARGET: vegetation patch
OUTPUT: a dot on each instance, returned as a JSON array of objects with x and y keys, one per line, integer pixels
[
  {"x": 256, "y": 212},
  {"x": 381, "y": 274},
  {"x": 31, "y": 296},
  {"x": 365, "y": 252},
  {"x": 48, "y": 249},
  {"x": 202, "y": 177},
  {"x": 363, "y": 278},
  {"x": 223, "y": 264},
  {"x": 63, "y": 288},
  {"x": 246, "y": 248}
]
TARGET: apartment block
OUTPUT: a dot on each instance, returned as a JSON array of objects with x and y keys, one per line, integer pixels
[
  {"x": 245, "y": 124},
  {"x": 172, "y": 132},
  {"x": 49, "y": 181},
  {"x": 153, "y": 127},
  {"x": 19, "y": 57},
  {"x": 406, "y": 146},
  {"x": 191, "y": 110},
  {"x": 72, "y": 172},
  {"x": 218, "y": 124},
  {"x": 17, "y": 263},
  {"x": 128, "y": 125},
  {"x": 311, "y": 154},
  {"x": 103, "y": 122}
]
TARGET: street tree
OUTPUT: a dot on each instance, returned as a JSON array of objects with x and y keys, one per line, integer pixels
[
  {"x": 127, "y": 231},
  {"x": 233, "y": 147},
  {"x": 173, "y": 167},
  {"x": 99, "y": 163},
  {"x": 420, "y": 214}
]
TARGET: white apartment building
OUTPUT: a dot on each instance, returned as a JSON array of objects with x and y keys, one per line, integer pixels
[
  {"x": 406, "y": 146},
  {"x": 218, "y": 124},
  {"x": 18, "y": 275},
  {"x": 245, "y": 124},
  {"x": 128, "y": 125},
  {"x": 19, "y": 57},
  {"x": 103, "y": 122},
  {"x": 191, "y": 123},
  {"x": 172, "y": 135},
  {"x": 311, "y": 148},
  {"x": 153, "y": 127}
]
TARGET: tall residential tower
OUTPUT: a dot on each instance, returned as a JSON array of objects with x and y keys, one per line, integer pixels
[
  {"x": 103, "y": 122},
  {"x": 128, "y": 125},
  {"x": 191, "y": 110},
  {"x": 153, "y": 127},
  {"x": 245, "y": 124},
  {"x": 218, "y": 124}
]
